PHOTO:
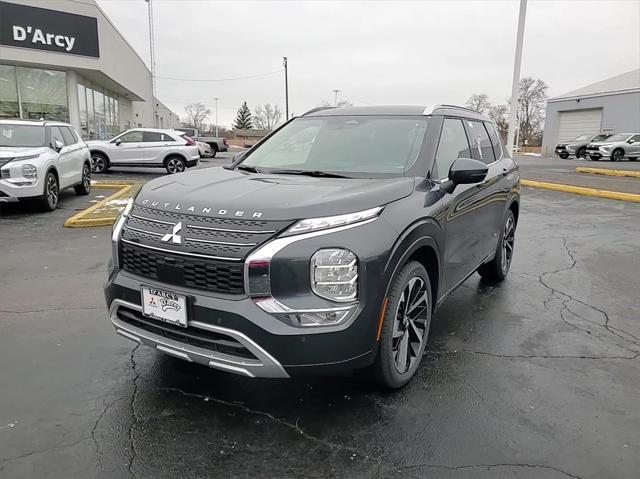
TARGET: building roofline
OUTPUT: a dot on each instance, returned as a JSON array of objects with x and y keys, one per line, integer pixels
[{"x": 593, "y": 95}]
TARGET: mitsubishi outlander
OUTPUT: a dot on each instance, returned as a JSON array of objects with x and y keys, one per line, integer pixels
[{"x": 326, "y": 247}]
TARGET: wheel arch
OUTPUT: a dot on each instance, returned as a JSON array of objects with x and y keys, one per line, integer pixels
[
  {"x": 173, "y": 154},
  {"x": 100, "y": 152},
  {"x": 54, "y": 170},
  {"x": 419, "y": 242}
]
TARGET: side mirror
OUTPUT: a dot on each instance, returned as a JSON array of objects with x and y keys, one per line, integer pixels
[
  {"x": 239, "y": 156},
  {"x": 118, "y": 141},
  {"x": 465, "y": 171},
  {"x": 631, "y": 142},
  {"x": 58, "y": 145}
]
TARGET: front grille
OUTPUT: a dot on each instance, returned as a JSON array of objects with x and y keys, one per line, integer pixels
[
  {"x": 200, "y": 273},
  {"x": 189, "y": 250},
  {"x": 591, "y": 147},
  {"x": 200, "y": 338}
]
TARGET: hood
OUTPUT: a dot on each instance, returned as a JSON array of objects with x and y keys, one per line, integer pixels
[
  {"x": 221, "y": 193},
  {"x": 16, "y": 152},
  {"x": 96, "y": 142}
]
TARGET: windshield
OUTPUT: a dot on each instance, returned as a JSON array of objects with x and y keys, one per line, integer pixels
[
  {"x": 366, "y": 146},
  {"x": 22, "y": 135},
  {"x": 618, "y": 137},
  {"x": 601, "y": 137},
  {"x": 580, "y": 138}
]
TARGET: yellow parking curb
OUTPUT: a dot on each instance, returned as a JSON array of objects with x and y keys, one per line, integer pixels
[
  {"x": 81, "y": 220},
  {"x": 581, "y": 190},
  {"x": 608, "y": 172}
]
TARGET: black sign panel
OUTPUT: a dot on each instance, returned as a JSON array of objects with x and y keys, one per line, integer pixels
[{"x": 51, "y": 30}]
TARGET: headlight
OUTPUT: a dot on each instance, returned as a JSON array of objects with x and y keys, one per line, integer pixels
[
  {"x": 314, "y": 224},
  {"x": 334, "y": 274},
  {"x": 30, "y": 172},
  {"x": 570, "y": 147}
]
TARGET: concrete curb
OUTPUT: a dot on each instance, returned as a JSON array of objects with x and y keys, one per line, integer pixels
[
  {"x": 80, "y": 220},
  {"x": 608, "y": 172},
  {"x": 581, "y": 190}
]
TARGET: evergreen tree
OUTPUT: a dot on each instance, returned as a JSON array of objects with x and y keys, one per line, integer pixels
[{"x": 243, "y": 118}]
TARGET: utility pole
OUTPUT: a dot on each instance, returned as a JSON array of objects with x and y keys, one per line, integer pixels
[
  {"x": 286, "y": 89},
  {"x": 216, "y": 99},
  {"x": 335, "y": 97},
  {"x": 515, "y": 87},
  {"x": 152, "y": 52}
]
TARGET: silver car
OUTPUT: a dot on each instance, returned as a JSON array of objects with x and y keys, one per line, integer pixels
[
  {"x": 145, "y": 147},
  {"x": 38, "y": 159},
  {"x": 616, "y": 147}
]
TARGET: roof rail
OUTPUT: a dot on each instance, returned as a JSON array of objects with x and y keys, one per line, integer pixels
[
  {"x": 456, "y": 107},
  {"x": 320, "y": 108}
]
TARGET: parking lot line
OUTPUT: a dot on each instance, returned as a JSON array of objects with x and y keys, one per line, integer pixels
[
  {"x": 608, "y": 172},
  {"x": 90, "y": 216},
  {"x": 581, "y": 190}
]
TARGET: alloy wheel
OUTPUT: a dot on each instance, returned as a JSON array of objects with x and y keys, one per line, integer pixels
[
  {"x": 97, "y": 164},
  {"x": 508, "y": 240},
  {"x": 410, "y": 324},
  {"x": 175, "y": 165},
  {"x": 52, "y": 191},
  {"x": 86, "y": 177}
]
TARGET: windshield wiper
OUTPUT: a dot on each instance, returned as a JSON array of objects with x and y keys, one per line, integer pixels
[
  {"x": 251, "y": 169},
  {"x": 316, "y": 173}
]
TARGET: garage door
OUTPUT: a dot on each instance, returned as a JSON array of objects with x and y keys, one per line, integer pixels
[{"x": 574, "y": 123}]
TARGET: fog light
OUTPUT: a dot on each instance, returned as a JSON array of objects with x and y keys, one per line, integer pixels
[
  {"x": 319, "y": 319},
  {"x": 334, "y": 274}
]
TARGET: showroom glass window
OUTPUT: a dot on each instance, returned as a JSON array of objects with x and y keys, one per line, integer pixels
[
  {"x": 82, "y": 105},
  {"x": 43, "y": 94},
  {"x": 9, "y": 107}
]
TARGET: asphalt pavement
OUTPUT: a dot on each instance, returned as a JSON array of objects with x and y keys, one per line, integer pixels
[
  {"x": 538, "y": 377},
  {"x": 557, "y": 170}
]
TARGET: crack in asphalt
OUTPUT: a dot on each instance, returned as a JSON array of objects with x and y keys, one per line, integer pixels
[
  {"x": 532, "y": 356},
  {"x": 95, "y": 427},
  {"x": 134, "y": 416},
  {"x": 46, "y": 310},
  {"x": 614, "y": 331},
  {"x": 42, "y": 451},
  {"x": 474, "y": 466}
]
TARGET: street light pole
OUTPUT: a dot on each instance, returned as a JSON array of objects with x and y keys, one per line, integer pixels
[
  {"x": 516, "y": 76},
  {"x": 286, "y": 88},
  {"x": 152, "y": 54},
  {"x": 335, "y": 97},
  {"x": 216, "y": 99}
]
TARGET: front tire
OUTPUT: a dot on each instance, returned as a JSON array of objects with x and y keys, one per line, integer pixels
[
  {"x": 564, "y": 156},
  {"x": 84, "y": 188},
  {"x": 594, "y": 158},
  {"x": 617, "y": 155},
  {"x": 633, "y": 159},
  {"x": 497, "y": 269},
  {"x": 51, "y": 195},
  {"x": 581, "y": 153},
  {"x": 405, "y": 327},
  {"x": 175, "y": 164},
  {"x": 99, "y": 163}
]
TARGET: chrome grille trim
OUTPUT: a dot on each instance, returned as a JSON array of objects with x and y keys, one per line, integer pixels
[
  {"x": 195, "y": 240},
  {"x": 152, "y": 220},
  {"x": 142, "y": 231},
  {"x": 223, "y": 230}
]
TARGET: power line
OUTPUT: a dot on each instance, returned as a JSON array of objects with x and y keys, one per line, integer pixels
[{"x": 221, "y": 79}]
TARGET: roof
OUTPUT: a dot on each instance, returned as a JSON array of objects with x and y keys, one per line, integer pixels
[
  {"x": 626, "y": 83},
  {"x": 396, "y": 110},
  {"x": 20, "y": 121}
]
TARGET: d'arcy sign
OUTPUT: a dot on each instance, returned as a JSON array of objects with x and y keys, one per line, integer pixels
[{"x": 51, "y": 30}]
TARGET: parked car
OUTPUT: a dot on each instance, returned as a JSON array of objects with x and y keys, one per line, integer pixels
[
  {"x": 145, "y": 147},
  {"x": 216, "y": 144},
  {"x": 326, "y": 258},
  {"x": 616, "y": 147},
  {"x": 205, "y": 150},
  {"x": 578, "y": 146},
  {"x": 38, "y": 159}
]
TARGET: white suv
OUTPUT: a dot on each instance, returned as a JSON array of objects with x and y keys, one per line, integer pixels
[
  {"x": 145, "y": 147},
  {"x": 38, "y": 159}
]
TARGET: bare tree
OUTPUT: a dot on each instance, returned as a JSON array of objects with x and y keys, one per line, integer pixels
[
  {"x": 500, "y": 116},
  {"x": 532, "y": 99},
  {"x": 478, "y": 102},
  {"x": 196, "y": 114},
  {"x": 266, "y": 117}
]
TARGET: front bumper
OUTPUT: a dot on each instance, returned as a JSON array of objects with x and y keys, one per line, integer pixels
[
  {"x": 277, "y": 349},
  {"x": 10, "y": 193},
  {"x": 193, "y": 161}
]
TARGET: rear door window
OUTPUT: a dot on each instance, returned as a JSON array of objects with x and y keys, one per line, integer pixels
[
  {"x": 150, "y": 136},
  {"x": 495, "y": 140},
  {"x": 481, "y": 148},
  {"x": 453, "y": 144}
]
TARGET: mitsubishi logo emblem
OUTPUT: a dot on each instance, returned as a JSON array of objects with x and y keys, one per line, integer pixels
[{"x": 174, "y": 237}]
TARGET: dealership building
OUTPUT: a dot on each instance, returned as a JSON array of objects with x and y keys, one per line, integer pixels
[
  {"x": 611, "y": 105},
  {"x": 69, "y": 62}
]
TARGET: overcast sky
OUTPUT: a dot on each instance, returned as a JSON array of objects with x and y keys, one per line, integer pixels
[{"x": 420, "y": 52}]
